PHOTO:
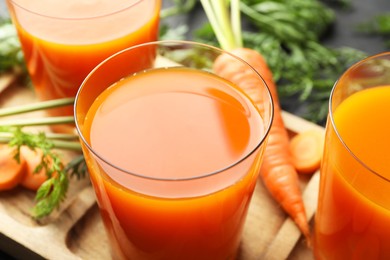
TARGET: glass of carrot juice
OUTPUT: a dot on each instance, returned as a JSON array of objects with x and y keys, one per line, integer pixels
[
  {"x": 173, "y": 150},
  {"x": 353, "y": 217},
  {"x": 63, "y": 41}
]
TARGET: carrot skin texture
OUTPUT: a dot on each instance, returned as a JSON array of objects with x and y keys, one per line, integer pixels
[
  {"x": 11, "y": 171},
  {"x": 32, "y": 180},
  {"x": 277, "y": 172}
]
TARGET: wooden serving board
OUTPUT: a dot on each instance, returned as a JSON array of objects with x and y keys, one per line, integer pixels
[{"x": 76, "y": 231}]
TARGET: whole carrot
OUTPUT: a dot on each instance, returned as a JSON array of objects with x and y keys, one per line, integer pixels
[{"x": 278, "y": 172}]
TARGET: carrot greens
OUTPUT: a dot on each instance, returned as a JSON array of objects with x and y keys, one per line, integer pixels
[
  {"x": 227, "y": 27},
  {"x": 378, "y": 25},
  {"x": 53, "y": 191},
  {"x": 288, "y": 33}
]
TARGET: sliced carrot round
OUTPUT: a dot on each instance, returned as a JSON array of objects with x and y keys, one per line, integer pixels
[
  {"x": 306, "y": 149},
  {"x": 11, "y": 171},
  {"x": 32, "y": 180}
]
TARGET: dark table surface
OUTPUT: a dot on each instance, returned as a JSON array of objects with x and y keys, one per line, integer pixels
[{"x": 343, "y": 33}]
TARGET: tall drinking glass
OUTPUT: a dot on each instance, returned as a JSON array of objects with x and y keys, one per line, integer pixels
[
  {"x": 173, "y": 151},
  {"x": 63, "y": 41},
  {"x": 353, "y": 217}
]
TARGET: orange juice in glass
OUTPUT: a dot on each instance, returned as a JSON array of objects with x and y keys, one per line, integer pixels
[
  {"x": 353, "y": 216},
  {"x": 173, "y": 152},
  {"x": 63, "y": 41}
]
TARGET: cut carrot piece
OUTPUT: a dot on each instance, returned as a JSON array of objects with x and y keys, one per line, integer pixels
[
  {"x": 11, "y": 171},
  {"x": 306, "y": 149},
  {"x": 32, "y": 180}
]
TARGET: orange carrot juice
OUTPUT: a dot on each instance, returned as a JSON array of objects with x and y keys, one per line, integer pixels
[
  {"x": 63, "y": 41},
  {"x": 353, "y": 218},
  {"x": 167, "y": 187}
]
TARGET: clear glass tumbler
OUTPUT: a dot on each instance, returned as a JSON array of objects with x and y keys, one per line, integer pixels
[
  {"x": 63, "y": 41},
  {"x": 173, "y": 150},
  {"x": 353, "y": 216}
]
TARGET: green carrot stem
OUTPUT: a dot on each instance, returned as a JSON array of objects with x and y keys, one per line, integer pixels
[
  {"x": 59, "y": 144},
  {"x": 208, "y": 8},
  {"x": 228, "y": 35},
  {"x": 38, "y": 121},
  {"x": 74, "y": 146},
  {"x": 5, "y": 139},
  {"x": 36, "y": 106},
  {"x": 62, "y": 136},
  {"x": 221, "y": 14},
  {"x": 235, "y": 14}
]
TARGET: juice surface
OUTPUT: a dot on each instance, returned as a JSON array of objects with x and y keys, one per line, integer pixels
[
  {"x": 179, "y": 129},
  {"x": 174, "y": 124},
  {"x": 353, "y": 219},
  {"x": 61, "y": 51}
]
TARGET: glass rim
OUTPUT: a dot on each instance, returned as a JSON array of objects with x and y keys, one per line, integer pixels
[
  {"x": 14, "y": 2},
  {"x": 333, "y": 123},
  {"x": 200, "y": 176}
]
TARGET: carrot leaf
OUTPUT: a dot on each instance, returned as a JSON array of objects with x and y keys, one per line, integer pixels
[
  {"x": 52, "y": 192},
  {"x": 49, "y": 195},
  {"x": 287, "y": 33}
]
